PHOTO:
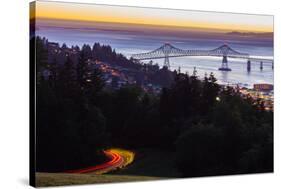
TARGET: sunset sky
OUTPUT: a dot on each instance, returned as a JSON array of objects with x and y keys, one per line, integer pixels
[{"x": 164, "y": 17}]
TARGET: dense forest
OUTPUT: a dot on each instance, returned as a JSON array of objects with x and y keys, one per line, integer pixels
[{"x": 211, "y": 129}]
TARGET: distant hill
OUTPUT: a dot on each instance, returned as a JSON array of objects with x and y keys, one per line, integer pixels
[{"x": 251, "y": 34}]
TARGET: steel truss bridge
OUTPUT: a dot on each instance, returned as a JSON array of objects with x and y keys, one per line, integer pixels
[{"x": 167, "y": 51}]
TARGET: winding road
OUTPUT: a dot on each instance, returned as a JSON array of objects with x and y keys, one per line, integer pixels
[{"x": 119, "y": 158}]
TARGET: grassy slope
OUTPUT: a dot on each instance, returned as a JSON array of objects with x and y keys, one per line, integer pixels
[
  {"x": 148, "y": 165},
  {"x": 151, "y": 163},
  {"x": 60, "y": 179}
]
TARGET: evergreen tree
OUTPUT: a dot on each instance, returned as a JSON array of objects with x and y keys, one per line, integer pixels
[
  {"x": 41, "y": 58},
  {"x": 210, "y": 93}
]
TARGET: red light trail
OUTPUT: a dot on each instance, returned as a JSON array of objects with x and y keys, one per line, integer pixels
[{"x": 116, "y": 160}]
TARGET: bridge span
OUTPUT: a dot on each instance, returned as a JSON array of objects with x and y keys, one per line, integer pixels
[{"x": 167, "y": 51}]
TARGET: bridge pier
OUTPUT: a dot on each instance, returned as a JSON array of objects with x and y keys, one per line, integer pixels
[
  {"x": 224, "y": 65},
  {"x": 248, "y": 65},
  {"x": 167, "y": 62},
  {"x": 261, "y": 65}
]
